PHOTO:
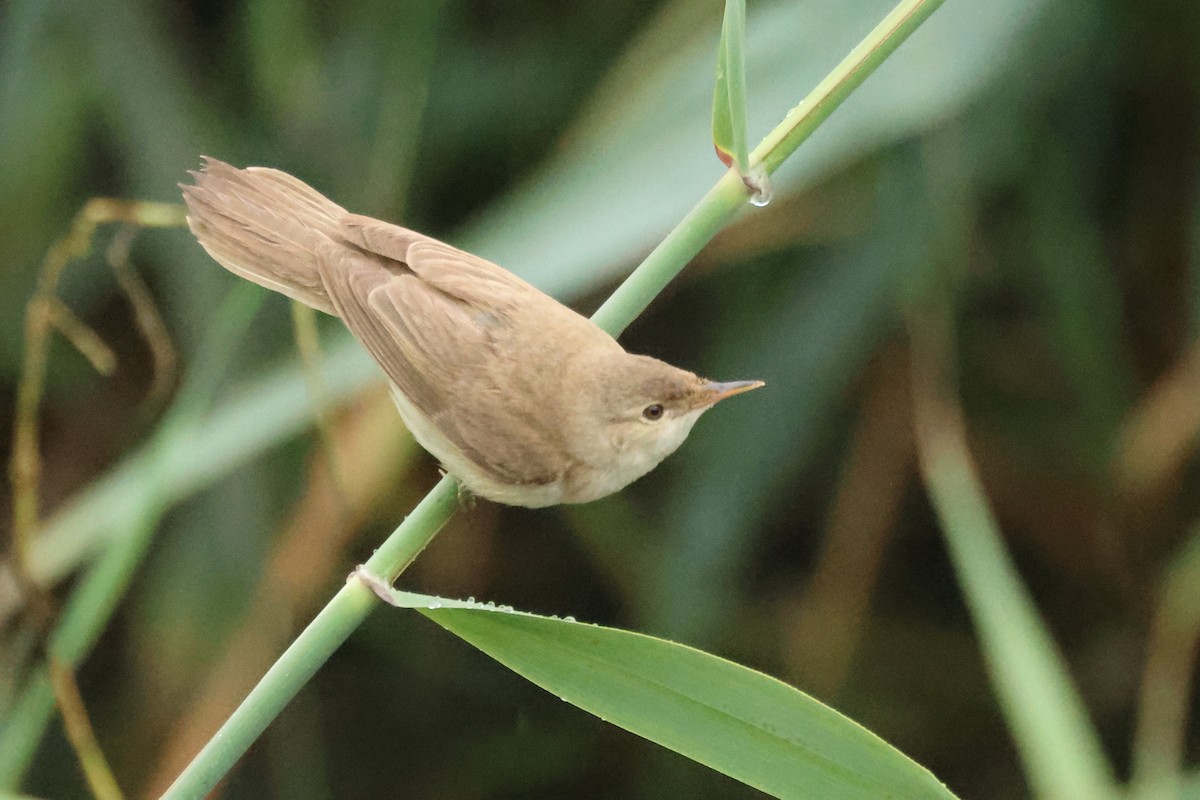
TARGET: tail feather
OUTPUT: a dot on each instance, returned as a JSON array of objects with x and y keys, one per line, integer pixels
[{"x": 265, "y": 226}]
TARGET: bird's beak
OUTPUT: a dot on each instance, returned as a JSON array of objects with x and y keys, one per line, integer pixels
[{"x": 715, "y": 392}]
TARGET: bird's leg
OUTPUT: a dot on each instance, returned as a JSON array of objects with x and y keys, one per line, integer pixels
[
  {"x": 466, "y": 500},
  {"x": 375, "y": 583}
]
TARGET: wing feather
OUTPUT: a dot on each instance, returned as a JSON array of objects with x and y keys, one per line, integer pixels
[
  {"x": 455, "y": 272},
  {"x": 442, "y": 354}
]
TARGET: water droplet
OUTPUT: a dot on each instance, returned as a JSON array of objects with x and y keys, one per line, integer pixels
[
  {"x": 568, "y": 619},
  {"x": 471, "y": 599},
  {"x": 759, "y": 184},
  {"x": 434, "y": 606}
]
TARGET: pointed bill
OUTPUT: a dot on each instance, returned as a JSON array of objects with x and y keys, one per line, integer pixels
[{"x": 720, "y": 391}]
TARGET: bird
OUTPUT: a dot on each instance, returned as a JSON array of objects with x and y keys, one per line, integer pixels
[{"x": 523, "y": 400}]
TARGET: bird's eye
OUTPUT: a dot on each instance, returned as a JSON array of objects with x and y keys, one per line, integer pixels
[{"x": 653, "y": 412}]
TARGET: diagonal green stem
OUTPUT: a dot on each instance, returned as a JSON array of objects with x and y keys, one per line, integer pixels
[
  {"x": 729, "y": 194},
  {"x": 353, "y": 602},
  {"x": 315, "y": 644}
]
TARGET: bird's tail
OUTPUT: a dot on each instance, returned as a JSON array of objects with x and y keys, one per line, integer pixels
[{"x": 265, "y": 226}]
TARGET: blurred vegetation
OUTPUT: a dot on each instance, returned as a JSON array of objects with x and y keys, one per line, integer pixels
[{"x": 1036, "y": 160}]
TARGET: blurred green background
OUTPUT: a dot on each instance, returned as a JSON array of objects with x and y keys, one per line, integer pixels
[{"x": 1035, "y": 159}]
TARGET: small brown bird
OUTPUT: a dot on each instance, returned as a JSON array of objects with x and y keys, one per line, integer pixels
[{"x": 523, "y": 400}]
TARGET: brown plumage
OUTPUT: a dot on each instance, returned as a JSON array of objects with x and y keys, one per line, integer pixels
[{"x": 523, "y": 400}]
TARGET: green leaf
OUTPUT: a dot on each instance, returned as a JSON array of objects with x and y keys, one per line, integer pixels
[
  {"x": 729, "y": 92},
  {"x": 740, "y": 722}
]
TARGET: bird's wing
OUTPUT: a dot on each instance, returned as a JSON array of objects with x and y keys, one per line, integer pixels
[
  {"x": 445, "y": 352},
  {"x": 456, "y": 272}
]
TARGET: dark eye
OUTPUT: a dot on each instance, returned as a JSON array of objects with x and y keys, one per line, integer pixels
[{"x": 653, "y": 412}]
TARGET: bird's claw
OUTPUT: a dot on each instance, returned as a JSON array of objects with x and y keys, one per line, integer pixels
[{"x": 466, "y": 500}]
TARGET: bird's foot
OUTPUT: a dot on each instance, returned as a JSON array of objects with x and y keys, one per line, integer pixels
[
  {"x": 466, "y": 500},
  {"x": 376, "y": 584}
]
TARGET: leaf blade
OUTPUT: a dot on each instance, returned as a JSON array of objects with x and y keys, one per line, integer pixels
[
  {"x": 738, "y": 721},
  {"x": 729, "y": 90}
]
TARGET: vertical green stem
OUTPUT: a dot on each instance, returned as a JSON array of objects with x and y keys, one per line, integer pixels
[
  {"x": 1160, "y": 739},
  {"x": 1060, "y": 749}
]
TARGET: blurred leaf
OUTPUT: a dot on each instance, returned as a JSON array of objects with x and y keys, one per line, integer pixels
[
  {"x": 93, "y": 601},
  {"x": 1194, "y": 261},
  {"x": 1060, "y": 749},
  {"x": 155, "y": 125},
  {"x": 404, "y": 39},
  {"x": 639, "y": 158},
  {"x": 1160, "y": 741},
  {"x": 42, "y": 112},
  {"x": 1078, "y": 292},
  {"x": 284, "y": 53},
  {"x": 253, "y": 417},
  {"x": 1191, "y": 786},
  {"x": 143, "y": 93},
  {"x": 736, "y": 720}
]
